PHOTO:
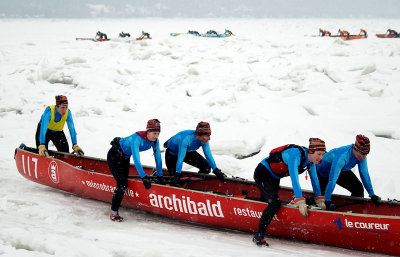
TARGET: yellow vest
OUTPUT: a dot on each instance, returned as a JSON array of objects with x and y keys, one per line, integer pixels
[{"x": 57, "y": 126}]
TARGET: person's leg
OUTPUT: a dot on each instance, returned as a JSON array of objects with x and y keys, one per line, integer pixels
[
  {"x": 119, "y": 167},
  {"x": 323, "y": 183},
  {"x": 269, "y": 187},
  {"x": 197, "y": 160},
  {"x": 37, "y": 136},
  {"x": 59, "y": 140},
  {"x": 170, "y": 162},
  {"x": 348, "y": 180}
]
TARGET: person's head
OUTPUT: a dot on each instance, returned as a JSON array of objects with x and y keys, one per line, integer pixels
[
  {"x": 361, "y": 147},
  {"x": 203, "y": 132},
  {"x": 316, "y": 150},
  {"x": 61, "y": 104},
  {"x": 153, "y": 129}
]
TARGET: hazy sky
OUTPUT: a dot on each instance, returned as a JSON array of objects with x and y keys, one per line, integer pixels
[{"x": 198, "y": 9}]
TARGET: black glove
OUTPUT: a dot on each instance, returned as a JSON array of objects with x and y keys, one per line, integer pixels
[
  {"x": 160, "y": 180},
  {"x": 176, "y": 178},
  {"x": 219, "y": 174},
  {"x": 375, "y": 199},
  {"x": 146, "y": 182},
  {"x": 329, "y": 206}
]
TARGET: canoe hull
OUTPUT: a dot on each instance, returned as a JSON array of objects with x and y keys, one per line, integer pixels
[
  {"x": 387, "y": 36},
  {"x": 373, "y": 233}
]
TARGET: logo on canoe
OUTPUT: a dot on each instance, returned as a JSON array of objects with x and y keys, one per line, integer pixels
[
  {"x": 361, "y": 226},
  {"x": 338, "y": 223},
  {"x": 53, "y": 172},
  {"x": 186, "y": 205}
]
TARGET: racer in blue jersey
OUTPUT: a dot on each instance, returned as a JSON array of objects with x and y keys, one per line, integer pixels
[
  {"x": 335, "y": 168},
  {"x": 288, "y": 160},
  {"x": 194, "y": 32},
  {"x": 324, "y": 33},
  {"x": 51, "y": 125},
  {"x": 182, "y": 148},
  {"x": 118, "y": 161}
]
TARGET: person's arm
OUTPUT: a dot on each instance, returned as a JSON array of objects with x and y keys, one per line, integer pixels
[
  {"x": 46, "y": 117},
  {"x": 71, "y": 128},
  {"x": 209, "y": 157},
  {"x": 157, "y": 157},
  {"x": 337, "y": 165},
  {"x": 315, "y": 180},
  {"x": 136, "y": 157},
  {"x": 365, "y": 178},
  {"x": 182, "y": 153},
  {"x": 292, "y": 160}
]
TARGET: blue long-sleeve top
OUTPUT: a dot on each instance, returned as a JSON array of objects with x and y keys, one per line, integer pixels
[
  {"x": 338, "y": 160},
  {"x": 44, "y": 123},
  {"x": 186, "y": 141},
  {"x": 292, "y": 158},
  {"x": 134, "y": 144}
]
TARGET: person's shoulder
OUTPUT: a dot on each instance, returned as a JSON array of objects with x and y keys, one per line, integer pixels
[
  {"x": 47, "y": 110},
  {"x": 187, "y": 132}
]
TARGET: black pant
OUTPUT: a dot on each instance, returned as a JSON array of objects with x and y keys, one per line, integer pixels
[
  {"x": 269, "y": 187},
  {"x": 119, "y": 167},
  {"x": 58, "y": 138},
  {"x": 192, "y": 158},
  {"x": 348, "y": 180}
]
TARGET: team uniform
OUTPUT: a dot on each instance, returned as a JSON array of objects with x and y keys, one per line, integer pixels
[
  {"x": 182, "y": 148},
  {"x": 50, "y": 128},
  {"x": 118, "y": 161},
  {"x": 288, "y": 160}
]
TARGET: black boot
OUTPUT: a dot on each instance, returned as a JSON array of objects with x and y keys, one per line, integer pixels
[
  {"x": 259, "y": 240},
  {"x": 114, "y": 216}
]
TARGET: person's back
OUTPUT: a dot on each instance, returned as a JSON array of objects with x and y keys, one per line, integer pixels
[
  {"x": 145, "y": 34},
  {"x": 336, "y": 166},
  {"x": 185, "y": 137},
  {"x": 341, "y": 154},
  {"x": 182, "y": 148}
]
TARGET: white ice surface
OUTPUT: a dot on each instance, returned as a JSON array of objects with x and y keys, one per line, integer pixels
[{"x": 271, "y": 84}]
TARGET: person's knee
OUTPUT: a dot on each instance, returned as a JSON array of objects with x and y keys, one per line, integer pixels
[
  {"x": 358, "y": 191},
  {"x": 205, "y": 170},
  {"x": 274, "y": 204},
  {"x": 121, "y": 187}
]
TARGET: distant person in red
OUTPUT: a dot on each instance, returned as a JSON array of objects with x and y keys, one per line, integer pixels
[
  {"x": 344, "y": 33},
  {"x": 324, "y": 33},
  {"x": 51, "y": 125},
  {"x": 363, "y": 32}
]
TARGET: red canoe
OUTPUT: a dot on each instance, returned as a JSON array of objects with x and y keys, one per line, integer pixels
[
  {"x": 387, "y": 36},
  {"x": 357, "y": 223},
  {"x": 141, "y": 38},
  {"x": 351, "y": 37}
]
